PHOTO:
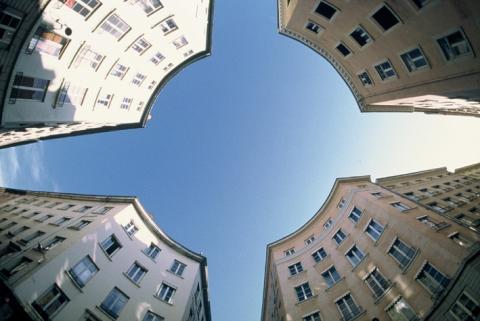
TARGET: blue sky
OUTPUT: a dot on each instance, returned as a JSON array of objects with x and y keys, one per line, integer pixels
[{"x": 243, "y": 147}]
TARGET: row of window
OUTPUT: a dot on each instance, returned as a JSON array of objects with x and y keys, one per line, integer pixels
[
  {"x": 54, "y": 204},
  {"x": 86, "y": 7}
]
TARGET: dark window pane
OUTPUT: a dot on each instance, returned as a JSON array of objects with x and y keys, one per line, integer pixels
[{"x": 385, "y": 18}]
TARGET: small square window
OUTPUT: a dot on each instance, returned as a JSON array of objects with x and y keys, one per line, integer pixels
[
  {"x": 130, "y": 228},
  {"x": 296, "y": 268},
  {"x": 180, "y": 42},
  {"x": 385, "y": 70},
  {"x": 168, "y": 26},
  {"x": 289, "y": 251},
  {"x": 361, "y": 36},
  {"x": 141, "y": 45},
  {"x": 421, "y": 3},
  {"x": 365, "y": 79},
  {"x": 177, "y": 268},
  {"x": 136, "y": 272},
  {"x": 313, "y": 27},
  {"x": 414, "y": 60},
  {"x": 166, "y": 292},
  {"x": 51, "y": 301},
  {"x": 111, "y": 245},
  {"x": 385, "y": 18},
  {"x": 326, "y": 10},
  {"x": 152, "y": 251},
  {"x": 319, "y": 255},
  {"x": 83, "y": 271},
  {"x": 343, "y": 50},
  {"x": 114, "y": 303},
  {"x": 303, "y": 292}
]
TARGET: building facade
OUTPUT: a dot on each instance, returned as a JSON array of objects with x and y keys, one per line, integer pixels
[
  {"x": 83, "y": 257},
  {"x": 402, "y": 56},
  {"x": 371, "y": 253},
  {"x": 80, "y": 66}
]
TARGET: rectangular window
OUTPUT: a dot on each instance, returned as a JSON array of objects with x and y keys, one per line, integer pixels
[
  {"x": 326, "y": 10},
  {"x": 126, "y": 102},
  {"x": 296, "y": 268},
  {"x": 31, "y": 237},
  {"x": 141, "y": 45},
  {"x": 348, "y": 307},
  {"x": 130, "y": 228},
  {"x": 150, "y": 316},
  {"x": 166, "y": 292},
  {"x": 454, "y": 45},
  {"x": 303, "y": 292},
  {"x": 152, "y": 251},
  {"x": 28, "y": 88},
  {"x": 430, "y": 222},
  {"x": 80, "y": 225},
  {"x": 33, "y": 214},
  {"x": 9, "y": 23},
  {"x": 437, "y": 207},
  {"x": 328, "y": 224},
  {"x": 414, "y": 60},
  {"x": 177, "y": 268},
  {"x": 410, "y": 195},
  {"x": 361, "y": 36},
  {"x": 385, "y": 18},
  {"x": 168, "y": 26},
  {"x": 377, "y": 283},
  {"x": 313, "y": 27},
  {"x": 400, "y": 310},
  {"x": 355, "y": 255},
  {"x": 118, "y": 70},
  {"x": 149, "y": 6},
  {"x": 52, "y": 205},
  {"x": 83, "y": 209},
  {"x": 104, "y": 99},
  {"x": 82, "y": 7},
  {"x": 136, "y": 272},
  {"x": 47, "y": 42},
  {"x": 385, "y": 70},
  {"x": 50, "y": 244},
  {"x": 400, "y": 206},
  {"x": 432, "y": 279},
  {"x": 138, "y": 79},
  {"x": 355, "y": 215},
  {"x": 313, "y": 317},
  {"x": 102, "y": 210},
  {"x": 310, "y": 240},
  {"x": 17, "y": 231},
  {"x": 180, "y": 42},
  {"x": 83, "y": 271},
  {"x": 343, "y": 49},
  {"x": 339, "y": 237},
  {"x": 374, "y": 230},
  {"x": 70, "y": 95},
  {"x": 50, "y": 301},
  {"x": 289, "y": 251},
  {"x": 111, "y": 245},
  {"x": 66, "y": 207},
  {"x": 115, "y": 26},
  {"x": 157, "y": 58},
  {"x": 152, "y": 84},
  {"x": 7, "y": 226},
  {"x": 61, "y": 221},
  {"x": 331, "y": 276},
  {"x": 88, "y": 57},
  {"x": 460, "y": 240},
  {"x": 466, "y": 308},
  {"x": 402, "y": 253},
  {"x": 16, "y": 267},
  {"x": 365, "y": 79},
  {"x": 44, "y": 218},
  {"x": 114, "y": 303},
  {"x": 319, "y": 255}
]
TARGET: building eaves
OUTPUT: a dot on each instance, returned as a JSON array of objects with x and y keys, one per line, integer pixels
[{"x": 402, "y": 177}]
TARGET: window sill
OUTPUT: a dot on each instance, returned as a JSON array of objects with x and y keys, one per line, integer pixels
[
  {"x": 406, "y": 267},
  {"x": 106, "y": 254},
  {"x": 322, "y": 260},
  {"x": 134, "y": 283},
  {"x": 160, "y": 299},
  {"x": 73, "y": 281},
  {"x": 295, "y": 275},
  {"x": 343, "y": 242},
  {"x": 307, "y": 299},
  {"x": 334, "y": 284},
  {"x": 178, "y": 276},
  {"x": 360, "y": 262},
  {"x": 410, "y": 209},
  {"x": 384, "y": 294},
  {"x": 359, "y": 315},
  {"x": 105, "y": 313},
  {"x": 151, "y": 258}
]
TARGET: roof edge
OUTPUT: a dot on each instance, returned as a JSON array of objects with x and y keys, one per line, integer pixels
[{"x": 394, "y": 177}]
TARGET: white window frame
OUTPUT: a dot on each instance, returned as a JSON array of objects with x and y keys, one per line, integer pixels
[
  {"x": 317, "y": 3},
  {"x": 414, "y": 68},
  {"x": 379, "y": 26},
  {"x": 370, "y": 236},
  {"x": 370, "y": 41},
  {"x": 169, "y": 293},
  {"x": 392, "y": 68}
]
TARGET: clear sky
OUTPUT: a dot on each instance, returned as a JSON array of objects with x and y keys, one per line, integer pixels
[{"x": 243, "y": 148}]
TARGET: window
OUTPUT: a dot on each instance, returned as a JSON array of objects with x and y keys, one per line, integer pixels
[
  {"x": 319, "y": 255},
  {"x": 410, "y": 195},
  {"x": 433, "y": 224},
  {"x": 289, "y": 251},
  {"x": 348, "y": 307},
  {"x": 71, "y": 95},
  {"x": 66, "y": 207},
  {"x": 400, "y": 310},
  {"x": 104, "y": 99},
  {"x": 138, "y": 79},
  {"x": 341, "y": 204},
  {"x": 432, "y": 279},
  {"x": 328, "y": 224},
  {"x": 361, "y": 36},
  {"x": 83, "y": 271},
  {"x": 377, "y": 283},
  {"x": 17, "y": 231},
  {"x": 177, "y": 268},
  {"x": 400, "y": 206},
  {"x": 152, "y": 251},
  {"x": 9, "y": 23},
  {"x": 313, "y": 317},
  {"x": 52, "y": 243},
  {"x": 421, "y": 3},
  {"x": 157, "y": 58},
  {"x": 83, "y": 209},
  {"x": 355, "y": 255},
  {"x": 326, "y": 10},
  {"x": 16, "y": 267},
  {"x": 115, "y": 26},
  {"x": 402, "y": 253},
  {"x": 303, "y": 292},
  {"x": 149, "y": 6},
  {"x": 343, "y": 49},
  {"x": 82, "y": 7},
  {"x": 168, "y": 26},
  {"x": 130, "y": 228},
  {"x": 339, "y": 237},
  {"x": 126, "y": 102},
  {"x": 102, "y": 210},
  {"x": 460, "y": 240},
  {"x": 374, "y": 230},
  {"x": 114, "y": 303},
  {"x": 7, "y": 226},
  {"x": 28, "y": 88},
  {"x": 385, "y": 70},
  {"x": 118, "y": 70},
  {"x": 355, "y": 215},
  {"x": 454, "y": 45},
  {"x": 385, "y": 18},
  {"x": 296, "y": 268},
  {"x": 313, "y": 27},
  {"x": 31, "y": 237},
  {"x": 150, "y": 316},
  {"x": 136, "y": 272},
  {"x": 33, "y": 214},
  {"x": 331, "y": 276},
  {"x": 44, "y": 218},
  {"x": 437, "y": 207},
  {"x": 466, "y": 308},
  {"x": 111, "y": 245},
  {"x": 366, "y": 80},
  {"x": 140, "y": 105},
  {"x": 166, "y": 292},
  {"x": 61, "y": 221},
  {"x": 414, "y": 60},
  {"x": 377, "y": 194},
  {"x": 141, "y": 45},
  {"x": 309, "y": 240},
  {"x": 180, "y": 42},
  {"x": 80, "y": 225},
  {"x": 47, "y": 42},
  {"x": 50, "y": 301},
  {"x": 88, "y": 57}
]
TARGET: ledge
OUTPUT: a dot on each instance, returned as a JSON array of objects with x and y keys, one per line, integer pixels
[
  {"x": 377, "y": 300},
  {"x": 360, "y": 262},
  {"x": 178, "y": 276},
  {"x": 135, "y": 283},
  {"x": 334, "y": 284},
  {"x": 156, "y": 297},
  {"x": 306, "y": 300},
  {"x": 105, "y": 312}
]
